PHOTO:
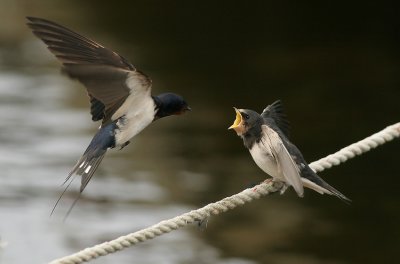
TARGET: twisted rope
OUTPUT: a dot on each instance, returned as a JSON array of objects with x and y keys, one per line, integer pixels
[
  {"x": 228, "y": 203},
  {"x": 358, "y": 148}
]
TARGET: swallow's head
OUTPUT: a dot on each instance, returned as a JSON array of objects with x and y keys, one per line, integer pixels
[
  {"x": 170, "y": 104},
  {"x": 245, "y": 120}
]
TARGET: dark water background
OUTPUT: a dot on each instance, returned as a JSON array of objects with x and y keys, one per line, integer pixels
[{"x": 335, "y": 65}]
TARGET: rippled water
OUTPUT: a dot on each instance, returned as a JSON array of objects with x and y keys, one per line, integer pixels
[
  {"x": 339, "y": 83},
  {"x": 41, "y": 137}
]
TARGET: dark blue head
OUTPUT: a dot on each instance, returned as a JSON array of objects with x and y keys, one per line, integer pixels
[{"x": 170, "y": 104}]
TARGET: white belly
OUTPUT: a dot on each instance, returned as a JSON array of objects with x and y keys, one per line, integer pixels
[
  {"x": 139, "y": 114},
  {"x": 265, "y": 161}
]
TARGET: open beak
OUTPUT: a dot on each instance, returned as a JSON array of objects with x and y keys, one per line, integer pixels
[{"x": 238, "y": 123}]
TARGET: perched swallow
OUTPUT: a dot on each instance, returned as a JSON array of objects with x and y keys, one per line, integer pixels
[
  {"x": 119, "y": 94},
  {"x": 266, "y": 137}
]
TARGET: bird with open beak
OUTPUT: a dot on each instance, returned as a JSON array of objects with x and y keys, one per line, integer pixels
[{"x": 266, "y": 137}]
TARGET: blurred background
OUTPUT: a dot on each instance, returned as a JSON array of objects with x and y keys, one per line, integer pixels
[{"x": 335, "y": 65}]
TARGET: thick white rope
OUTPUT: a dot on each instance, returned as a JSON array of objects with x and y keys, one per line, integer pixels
[{"x": 228, "y": 203}]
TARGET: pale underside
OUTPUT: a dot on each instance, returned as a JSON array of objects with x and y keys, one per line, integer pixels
[
  {"x": 271, "y": 155},
  {"x": 137, "y": 111}
]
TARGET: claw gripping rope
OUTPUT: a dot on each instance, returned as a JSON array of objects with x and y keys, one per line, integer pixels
[{"x": 248, "y": 195}]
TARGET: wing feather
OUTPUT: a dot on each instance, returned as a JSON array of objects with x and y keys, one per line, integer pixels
[
  {"x": 286, "y": 165},
  {"x": 103, "y": 71},
  {"x": 274, "y": 112}
]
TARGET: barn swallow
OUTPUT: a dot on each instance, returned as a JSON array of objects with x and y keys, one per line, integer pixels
[
  {"x": 119, "y": 94},
  {"x": 266, "y": 136}
]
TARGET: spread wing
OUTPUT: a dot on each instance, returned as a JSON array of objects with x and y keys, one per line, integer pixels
[
  {"x": 108, "y": 77},
  {"x": 275, "y": 112},
  {"x": 286, "y": 165}
]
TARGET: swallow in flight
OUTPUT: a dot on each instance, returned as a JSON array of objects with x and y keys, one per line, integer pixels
[{"x": 119, "y": 94}]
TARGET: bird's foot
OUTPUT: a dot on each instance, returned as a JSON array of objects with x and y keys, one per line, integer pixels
[
  {"x": 283, "y": 189},
  {"x": 267, "y": 181}
]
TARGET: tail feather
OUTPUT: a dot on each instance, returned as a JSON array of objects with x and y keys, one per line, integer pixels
[
  {"x": 62, "y": 194},
  {"x": 94, "y": 154},
  {"x": 90, "y": 160},
  {"x": 324, "y": 188},
  {"x": 311, "y": 180},
  {"x": 336, "y": 193},
  {"x": 87, "y": 165}
]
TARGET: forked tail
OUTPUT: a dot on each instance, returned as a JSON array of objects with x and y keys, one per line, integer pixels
[
  {"x": 94, "y": 154},
  {"x": 87, "y": 165},
  {"x": 91, "y": 159}
]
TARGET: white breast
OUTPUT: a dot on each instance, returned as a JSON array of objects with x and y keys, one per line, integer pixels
[
  {"x": 271, "y": 156},
  {"x": 263, "y": 157},
  {"x": 138, "y": 112}
]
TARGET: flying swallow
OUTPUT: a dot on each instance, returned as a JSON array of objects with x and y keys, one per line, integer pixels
[
  {"x": 266, "y": 136},
  {"x": 119, "y": 94}
]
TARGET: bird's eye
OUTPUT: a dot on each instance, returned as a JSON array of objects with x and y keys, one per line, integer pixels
[{"x": 246, "y": 116}]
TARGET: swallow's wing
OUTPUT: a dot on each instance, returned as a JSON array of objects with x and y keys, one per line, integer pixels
[
  {"x": 275, "y": 112},
  {"x": 108, "y": 77},
  {"x": 286, "y": 165}
]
